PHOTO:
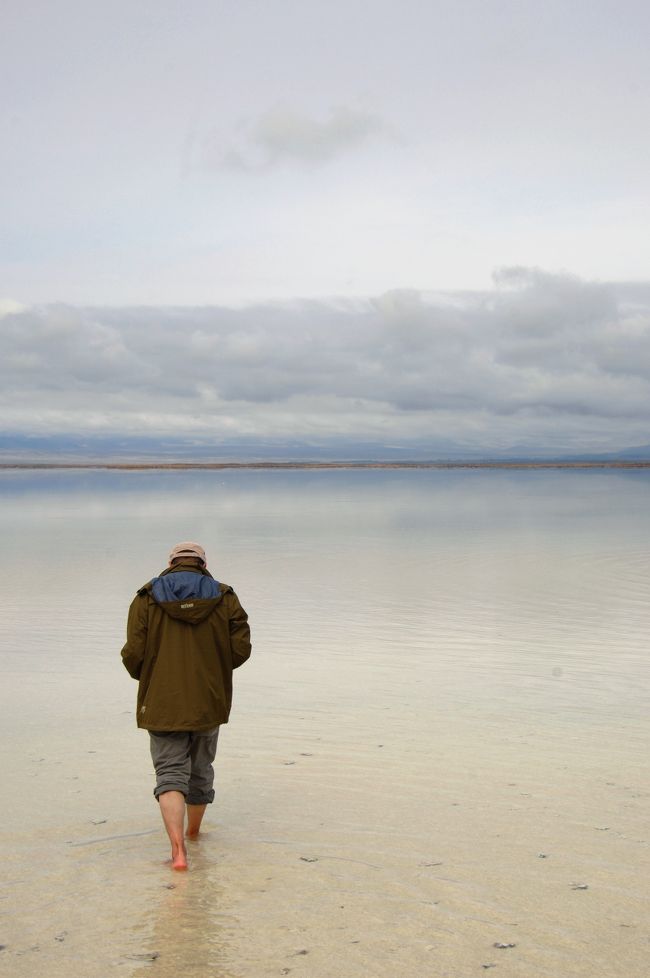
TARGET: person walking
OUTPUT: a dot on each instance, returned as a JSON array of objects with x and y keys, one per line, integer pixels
[{"x": 186, "y": 633}]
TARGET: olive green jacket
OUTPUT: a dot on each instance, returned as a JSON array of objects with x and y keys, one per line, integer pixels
[{"x": 183, "y": 651}]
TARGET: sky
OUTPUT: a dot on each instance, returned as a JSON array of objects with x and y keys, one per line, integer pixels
[{"x": 404, "y": 222}]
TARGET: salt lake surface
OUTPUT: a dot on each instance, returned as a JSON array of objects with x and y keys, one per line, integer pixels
[{"x": 439, "y": 745}]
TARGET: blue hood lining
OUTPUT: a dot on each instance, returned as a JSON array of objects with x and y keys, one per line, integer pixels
[{"x": 182, "y": 585}]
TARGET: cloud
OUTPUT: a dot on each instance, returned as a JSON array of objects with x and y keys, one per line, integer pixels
[
  {"x": 8, "y": 306},
  {"x": 285, "y": 135},
  {"x": 541, "y": 358}
]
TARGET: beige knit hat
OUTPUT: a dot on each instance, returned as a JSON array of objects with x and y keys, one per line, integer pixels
[{"x": 187, "y": 549}]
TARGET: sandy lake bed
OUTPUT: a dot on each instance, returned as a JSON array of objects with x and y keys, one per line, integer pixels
[{"x": 437, "y": 759}]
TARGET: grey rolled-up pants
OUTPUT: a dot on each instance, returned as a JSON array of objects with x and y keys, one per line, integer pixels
[{"x": 183, "y": 762}]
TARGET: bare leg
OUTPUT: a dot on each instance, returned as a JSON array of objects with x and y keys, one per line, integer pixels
[
  {"x": 172, "y": 809},
  {"x": 195, "y": 815}
]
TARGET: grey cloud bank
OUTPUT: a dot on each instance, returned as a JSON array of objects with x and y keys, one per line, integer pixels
[{"x": 542, "y": 360}]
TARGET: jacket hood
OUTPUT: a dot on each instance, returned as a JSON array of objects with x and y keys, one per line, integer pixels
[{"x": 188, "y": 595}]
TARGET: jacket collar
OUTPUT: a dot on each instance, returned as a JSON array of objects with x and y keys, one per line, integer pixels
[{"x": 193, "y": 568}]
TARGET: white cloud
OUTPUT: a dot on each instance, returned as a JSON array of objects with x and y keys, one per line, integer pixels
[
  {"x": 284, "y": 134},
  {"x": 8, "y": 306}
]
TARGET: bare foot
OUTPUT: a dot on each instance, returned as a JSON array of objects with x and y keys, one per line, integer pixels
[
  {"x": 179, "y": 858},
  {"x": 192, "y": 836},
  {"x": 195, "y": 815}
]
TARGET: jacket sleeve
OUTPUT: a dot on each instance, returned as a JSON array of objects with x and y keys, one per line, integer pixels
[
  {"x": 240, "y": 633},
  {"x": 136, "y": 636}
]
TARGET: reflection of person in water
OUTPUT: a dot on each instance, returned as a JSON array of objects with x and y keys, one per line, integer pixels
[
  {"x": 186, "y": 632},
  {"x": 187, "y": 927}
]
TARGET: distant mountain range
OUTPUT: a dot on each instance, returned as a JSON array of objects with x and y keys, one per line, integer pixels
[
  {"x": 640, "y": 453},
  {"x": 105, "y": 448}
]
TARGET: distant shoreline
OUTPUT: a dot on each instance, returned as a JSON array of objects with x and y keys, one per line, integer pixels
[{"x": 310, "y": 466}]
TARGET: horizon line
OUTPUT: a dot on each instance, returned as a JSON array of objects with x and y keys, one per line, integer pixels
[{"x": 341, "y": 464}]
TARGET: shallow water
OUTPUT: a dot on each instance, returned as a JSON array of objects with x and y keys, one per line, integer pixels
[{"x": 442, "y": 730}]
